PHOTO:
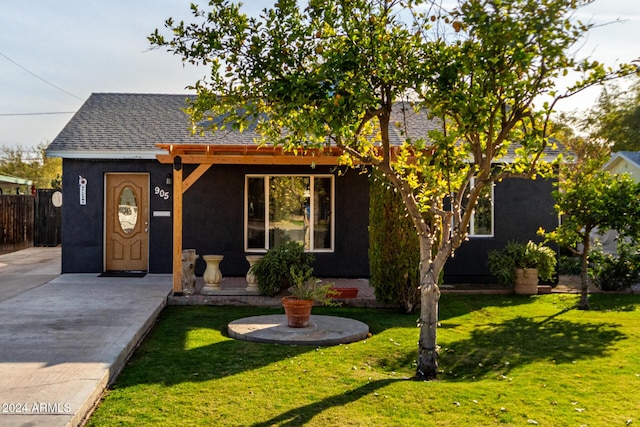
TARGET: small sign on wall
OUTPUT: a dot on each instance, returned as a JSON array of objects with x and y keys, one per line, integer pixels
[{"x": 82, "y": 184}]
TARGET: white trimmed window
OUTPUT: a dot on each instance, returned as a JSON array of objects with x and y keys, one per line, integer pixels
[
  {"x": 482, "y": 219},
  {"x": 295, "y": 207}
]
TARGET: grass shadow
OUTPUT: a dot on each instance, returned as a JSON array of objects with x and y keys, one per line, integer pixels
[
  {"x": 191, "y": 345},
  {"x": 378, "y": 320},
  {"x": 303, "y": 414},
  {"x": 496, "y": 348},
  {"x": 455, "y": 305},
  {"x": 614, "y": 302},
  {"x": 451, "y": 306}
]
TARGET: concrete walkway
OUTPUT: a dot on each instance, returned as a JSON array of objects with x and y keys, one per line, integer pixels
[
  {"x": 64, "y": 338},
  {"x": 24, "y": 270}
]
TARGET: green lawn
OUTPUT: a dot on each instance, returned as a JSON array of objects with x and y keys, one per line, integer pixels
[{"x": 505, "y": 360}]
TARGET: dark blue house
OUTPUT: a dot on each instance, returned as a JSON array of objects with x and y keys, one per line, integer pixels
[{"x": 136, "y": 182}]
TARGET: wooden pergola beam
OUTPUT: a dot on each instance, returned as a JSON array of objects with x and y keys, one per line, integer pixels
[
  {"x": 180, "y": 186},
  {"x": 200, "y": 154},
  {"x": 195, "y": 175},
  {"x": 198, "y": 159}
]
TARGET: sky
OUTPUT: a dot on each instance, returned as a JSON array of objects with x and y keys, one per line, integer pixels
[{"x": 54, "y": 54}]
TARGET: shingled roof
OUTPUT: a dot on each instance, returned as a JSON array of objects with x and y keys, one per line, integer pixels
[{"x": 128, "y": 126}]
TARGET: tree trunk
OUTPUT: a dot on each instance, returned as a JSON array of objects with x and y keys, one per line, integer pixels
[
  {"x": 427, "y": 368},
  {"x": 431, "y": 264},
  {"x": 427, "y": 347},
  {"x": 584, "y": 277}
]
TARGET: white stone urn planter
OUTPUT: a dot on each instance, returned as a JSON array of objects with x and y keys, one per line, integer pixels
[
  {"x": 212, "y": 275},
  {"x": 252, "y": 281}
]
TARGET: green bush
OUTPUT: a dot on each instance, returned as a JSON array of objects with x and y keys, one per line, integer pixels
[
  {"x": 615, "y": 272},
  {"x": 569, "y": 265},
  {"x": 394, "y": 251},
  {"x": 275, "y": 271}
]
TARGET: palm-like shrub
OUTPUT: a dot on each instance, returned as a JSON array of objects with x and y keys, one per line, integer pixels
[{"x": 503, "y": 262}]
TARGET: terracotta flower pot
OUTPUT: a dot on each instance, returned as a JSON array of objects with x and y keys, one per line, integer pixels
[{"x": 297, "y": 311}]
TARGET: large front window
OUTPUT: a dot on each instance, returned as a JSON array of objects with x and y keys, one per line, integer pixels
[{"x": 289, "y": 207}]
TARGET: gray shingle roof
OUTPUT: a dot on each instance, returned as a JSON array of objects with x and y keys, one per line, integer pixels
[
  {"x": 123, "y": 125},
  {"x": 406, "y": 123},
  {"x": 119, "y": 125},
  {"x": 128, "y": 126}
]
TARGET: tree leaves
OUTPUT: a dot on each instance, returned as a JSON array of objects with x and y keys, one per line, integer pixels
[{"x": 616, "y": 117}]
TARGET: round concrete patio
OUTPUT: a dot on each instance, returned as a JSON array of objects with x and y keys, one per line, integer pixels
[{"x": 322, "y": 330}]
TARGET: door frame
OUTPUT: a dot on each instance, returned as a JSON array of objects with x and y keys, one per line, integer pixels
[{"x": 105, "y": 215}]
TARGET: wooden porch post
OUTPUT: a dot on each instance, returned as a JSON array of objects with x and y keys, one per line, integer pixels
[{"x": 177, "y": 225}]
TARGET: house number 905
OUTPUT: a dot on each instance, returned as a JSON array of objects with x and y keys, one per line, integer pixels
[{"x": 161, "y": 193}]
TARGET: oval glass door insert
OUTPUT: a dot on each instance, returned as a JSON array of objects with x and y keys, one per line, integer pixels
[{"x": 127, "y": 210}]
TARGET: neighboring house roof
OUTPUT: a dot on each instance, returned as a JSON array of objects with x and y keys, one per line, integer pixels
[
  {"x": 129, "y": 126},
  {"x": 7, "y": 181},
  {"x": 625, "y": 162}
]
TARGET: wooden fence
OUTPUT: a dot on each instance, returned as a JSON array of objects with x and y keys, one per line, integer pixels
[
  {"x": 17, "y": 220},
  {"x": 27, "y": 221},
  {"x": 48, "y": 220}
]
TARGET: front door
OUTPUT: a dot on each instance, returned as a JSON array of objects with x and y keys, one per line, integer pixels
[{"x": 127, "y": 222}]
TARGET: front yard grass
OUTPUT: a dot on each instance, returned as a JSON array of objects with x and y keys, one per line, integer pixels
[{"x": 505, "y": 360}]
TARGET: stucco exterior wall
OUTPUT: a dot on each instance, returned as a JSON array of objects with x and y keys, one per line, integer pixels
[
  {"x": 83, "y": 225},
  {"x": 521, "y": 207},
  {"x": 214, "y": 219},
  {"x": 213, "y": 213}
]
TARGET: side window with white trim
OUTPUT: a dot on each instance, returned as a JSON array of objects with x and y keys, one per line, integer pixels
[{"x": 482, "y": 219}]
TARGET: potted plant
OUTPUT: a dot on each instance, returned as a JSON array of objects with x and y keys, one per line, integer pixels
[
  {"x": 305, "y": 291},
  {"x": 288, "y": 266},
  {"x": 523, "y": 264},
  {"x": 273, "y": 271}
]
